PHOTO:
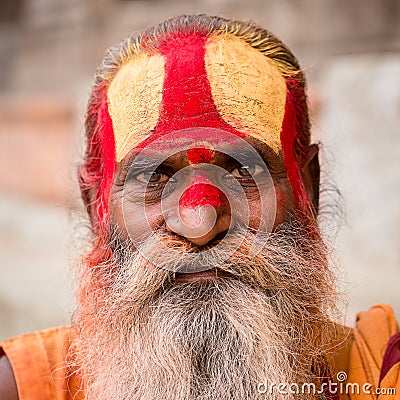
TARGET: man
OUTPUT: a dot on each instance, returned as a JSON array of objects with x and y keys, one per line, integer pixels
[{"x": 207, "y": 278}]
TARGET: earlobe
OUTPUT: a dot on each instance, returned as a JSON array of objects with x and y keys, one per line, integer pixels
[{"x": 310, "y": 171}]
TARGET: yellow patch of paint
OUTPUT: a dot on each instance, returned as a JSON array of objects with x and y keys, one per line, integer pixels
[
  {"x": 247, "y": 87},
  {"x": 134, "y": 99}
]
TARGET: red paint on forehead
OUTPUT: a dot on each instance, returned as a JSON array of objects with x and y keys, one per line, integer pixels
[
  {"x": 187, "y": 103},
  {"x": 202, "y": 193},
  {"x": 187, "y": 98},
  {"x": 106, "y": 133},
  {"x": 198, "y": 155}
]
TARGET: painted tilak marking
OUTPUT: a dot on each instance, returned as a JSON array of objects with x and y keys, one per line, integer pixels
[
  {"x": 187, "y": 99},
  {"x": 202, "y": 193},
  {"x": 198, "y": 155},
  {"x": 187, "y": 102},
  {"x": 108, "y": 154},
  {"x": 288, "y": 139}
]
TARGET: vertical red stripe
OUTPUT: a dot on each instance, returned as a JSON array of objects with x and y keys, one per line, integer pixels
[
  {"x": 109, "y": 157},
  {"x": 187, "y": 99},
  {"x": 288, "y": 139}
]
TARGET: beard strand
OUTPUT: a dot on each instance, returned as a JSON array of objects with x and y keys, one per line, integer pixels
[{"x": 144, "y": 336}]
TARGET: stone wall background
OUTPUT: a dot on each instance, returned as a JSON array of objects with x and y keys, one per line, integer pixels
[{"x": 49, "y": 50}]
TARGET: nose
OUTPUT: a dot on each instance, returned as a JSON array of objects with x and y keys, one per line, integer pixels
[{"x": 203, "y": 213}]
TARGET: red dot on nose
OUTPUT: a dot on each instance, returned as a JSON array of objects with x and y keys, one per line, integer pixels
[
  {"x": 199, "y": 155},
  {"x": 202, "y": 194}
]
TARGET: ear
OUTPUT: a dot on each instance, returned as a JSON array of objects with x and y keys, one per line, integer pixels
[
  {"x": 89, "y": 201},
  {"x": 310, "y": 173},
  {"x": 88, "y": 194}
]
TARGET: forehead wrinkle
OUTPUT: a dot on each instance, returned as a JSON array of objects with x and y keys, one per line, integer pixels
[
  {"x": 264, "y": 150},
  {"x": 150, "y": 156}
]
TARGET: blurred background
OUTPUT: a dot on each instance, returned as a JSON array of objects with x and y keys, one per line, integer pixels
[{"x": 49, "y": 49}]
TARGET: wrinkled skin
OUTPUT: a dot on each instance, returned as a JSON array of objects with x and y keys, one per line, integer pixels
[{"x": 130, "y": 214}]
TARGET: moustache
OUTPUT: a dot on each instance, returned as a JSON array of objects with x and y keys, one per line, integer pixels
[{"x": 278, "y": 261}]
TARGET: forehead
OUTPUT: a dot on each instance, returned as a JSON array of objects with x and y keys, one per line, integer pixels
[
  {"x": 217, "y": 82},
  {"x": 185, "y": 147}
]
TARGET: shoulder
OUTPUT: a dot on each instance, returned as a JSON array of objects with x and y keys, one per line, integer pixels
[
  {"x": 30, "y": 364},
  {"x": 375, "y": 358},
  {"x": 381, "y": 314},
  {"x": 373, "y": 331},
  {"x": 364, "y": 346}
]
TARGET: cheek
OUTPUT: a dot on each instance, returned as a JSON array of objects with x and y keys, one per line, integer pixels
[
  {"x": 252, "y": 202},
  {"x": 284, "y": 204},
  {"x": 134, "y": 220},
  {"x": 282, "y": 199}
]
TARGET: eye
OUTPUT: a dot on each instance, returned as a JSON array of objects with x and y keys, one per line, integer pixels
[
  {"x": 152, "y": 177},
  {"x": 247, "y": 171}
]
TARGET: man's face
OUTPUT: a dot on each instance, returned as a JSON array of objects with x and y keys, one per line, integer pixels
[{"x": 202, "y": 192}]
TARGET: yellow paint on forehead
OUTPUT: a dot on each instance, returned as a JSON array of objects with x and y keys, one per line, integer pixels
[
  {"x": 134, "y": 99},
  {"x": 247, "y": 87}
]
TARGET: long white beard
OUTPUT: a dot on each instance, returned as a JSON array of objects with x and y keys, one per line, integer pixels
[{"x": 143, "y": 336}]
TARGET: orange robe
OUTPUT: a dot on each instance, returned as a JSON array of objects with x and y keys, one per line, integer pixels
[{"x": 38, "y": 361}]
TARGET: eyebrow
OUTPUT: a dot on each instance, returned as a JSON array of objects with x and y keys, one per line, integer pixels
[
  {"x": 259, "y": 150},
  {"x": 262, "y": 148},
  {"x": 141, "y": 160},
  {"x": 144, "y": 162}
]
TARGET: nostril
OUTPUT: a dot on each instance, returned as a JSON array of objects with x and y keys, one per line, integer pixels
[
  {"x": 216, "y": 240},
  {"x": 181, "y": 243},
  {"x": 220, "y": 236}
]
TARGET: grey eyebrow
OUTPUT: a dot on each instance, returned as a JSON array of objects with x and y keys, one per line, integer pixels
[{"x": 144, "y": 163}]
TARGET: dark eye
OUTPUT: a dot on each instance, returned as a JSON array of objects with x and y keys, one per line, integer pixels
[
  {"x": 152, "y": 177},
  {"x": 247, "y": 171}
]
